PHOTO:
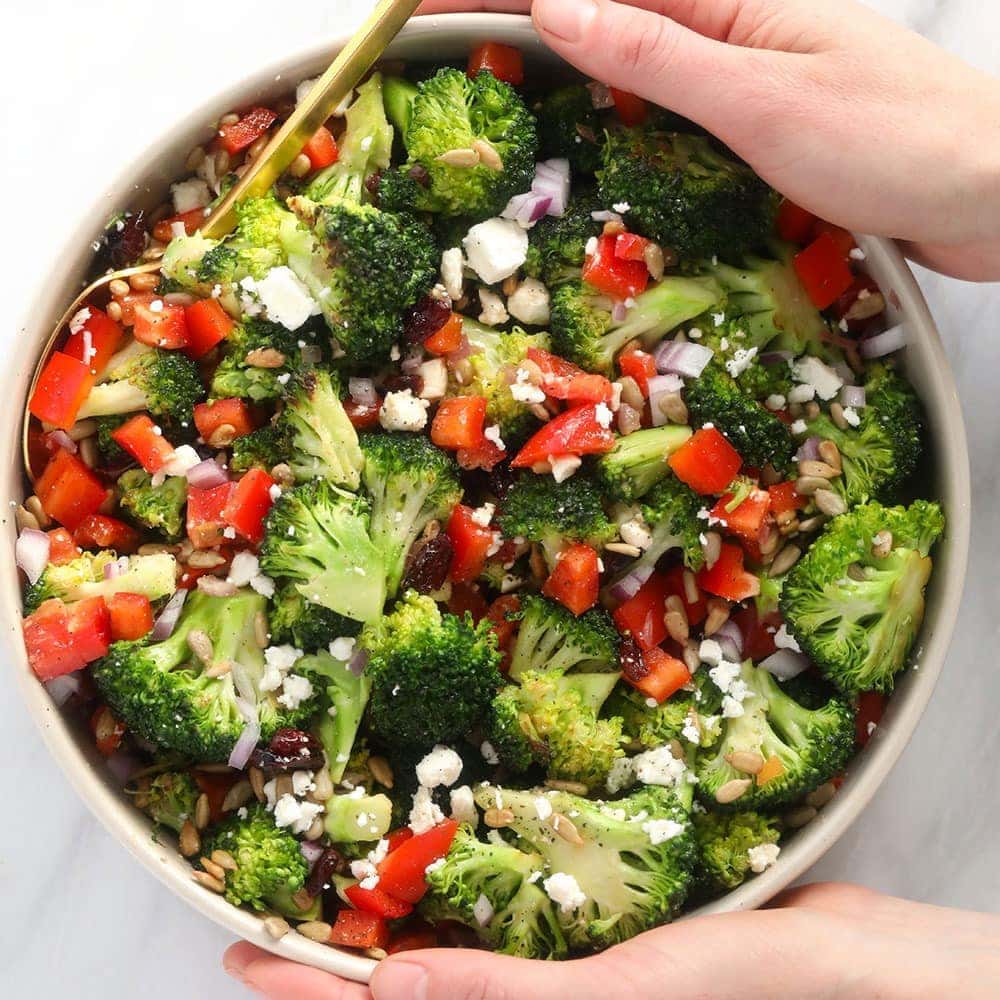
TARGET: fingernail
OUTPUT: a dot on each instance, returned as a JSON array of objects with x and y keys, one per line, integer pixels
[
  {"x": 399, "y": 980},
  {"x": 566, "y": 19}
]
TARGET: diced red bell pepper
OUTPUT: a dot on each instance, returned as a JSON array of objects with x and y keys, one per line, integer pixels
[
  {"x": 216, "y": 787},
  {"x": 471, "y": 543},
  {"x": 95, "y": 342},
  {"x": 758, "y": 633},
  {"x": 784, "y": 497},
  {"x": 467, "y": 598},
  {"x": 823, "y": 270},
  {"x": 248, "y": 505},
  {"x": 107, "y": 730},
  {"x": 575, "y": 432},
  {"x": 575, "y": 580},
  {"x": 401, "y": 873},
  {"x": 674, "y": 580},
  {"x": 503, "y": 627},
  {"x": 641, "y": 615},
  {"x": 485, "y": 455},
  {"x": 246, "y": 131},
  {"x": 446, "y": 338},
  {"x": 60, "y": 639},
  {"x": 90, "y": 627},
  {"x": 357, "y": 929},
  {"x": 459, "y": 422},
  {"x": 504, "y": 61},
  {"x": 69, "y": 491},
  {"x": 640, "y": 366},
  {"x": 611, "y": 274},
  {"x": 795, "y": 224},
  {"x": 163, "y": 326},
  {"x": 144, "y": 441},
  {"x": 131, "y": 615},
  {"x": 871, "y": 708},
  {"x": 727, "y": 578},
  {"x": 209, "y": 417},
  {"x": 666, "y": 676},
  {"x": 205, "y": 523},
  {"x": 208, "y": 324},
  {"x": 631, "y": 246},
  {"x": 378, "y": 901},
  {"x": 706, "y": 462},
  {"x": 398, "y": 837},
  {"x": 562, "y": 379},
  {"x": 193, "y": 219},
  {"x": 321, "y": 149},
  {"x": 745, "y": 520},
  {"x": 98, "y": 531},
  {"x": 62, "y": 387},
  {"x": 413, "y": 938},
  {"x": 363, "y": 416},
  {"x": 630, "y": 109},
  {"x": 843, "y": 238},
  {"x": 62, "y": 548}
]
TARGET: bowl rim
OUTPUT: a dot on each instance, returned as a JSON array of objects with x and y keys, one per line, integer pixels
[{"x": 132, "y": 829}]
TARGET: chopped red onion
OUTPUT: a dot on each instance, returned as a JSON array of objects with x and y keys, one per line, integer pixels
[
  {"x": 682, "y": 358},
  {"x": 605, "y": 215},
  {"x": 808, "y": 450},
  {"x": 167, "y": 620},
  {"x": 551, "y": 181},
  {"x": 660, "y": 386},
  {"x": 311, "y": 851},
  {"x": 358, "y": 662},
  {"x": 245, "y": 745},
  {"x": 600, "y": 96},
  {"x": 206, "y": 475},
  {"x": 785, "y": 664},
  {"x": 362, "y": 391},
  {"x": 628, "y": 586},
  {"x": 63, "y": 688},
  {"x": 528, "y": 207},
  {"x": 730, "y": 639},
  {"x": 123, "y": 765},
  {"x": 247, "y": 693},
  {"x": 116, "y": 568},
  {"x": 853, "y": 396},
  {"x": 63, "y": 440},
  {"x": 31, "y": 553},
  {"x": 412, "y": 361},
  {"x": 769, "y": 358},
  {"x": 619, "y": 312},
  {"x": 893, "y": 339}
]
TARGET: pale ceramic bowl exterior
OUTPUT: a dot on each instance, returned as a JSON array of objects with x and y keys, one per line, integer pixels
[{"x": 144, "y": 183}]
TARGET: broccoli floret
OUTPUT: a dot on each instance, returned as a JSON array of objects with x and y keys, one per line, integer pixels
[
  {"x": 570, "y": 126},
  {"x": 410, "y": 482},
  {"x": 523, "y": 922},
  {"x": 810, "y": 745},
  {"x": 724, "y": 842},
  {"x": 551, "y": 638},
  {"x": 495, "y": 356},
  {"x": 83, "y": 577},
  {"x": 557, "y": 244},
  {"x": 634, "y": 866},
  {"x": 882, "y": 452},
  {"x": 165, "y": 383},
  {"x": 270, "y": 867},
  {"x": 678, "y": 718},
  {"x": 450, "y": 112},
  {"x": 755, "y": 432},
  {"x": 638, "y": 461},
  {"x": 168, "y": 799},
  {"x": 316, "y": 537},
  {"x": 304, "y": 625},
  {"x": 265, "y": 448},
  {"x": 550, "y": 719},
  {"x": 686, "y": 194},
  {"x": 164, "y": 693},
  {"x": 235, "y": 377},
  {"x": 159, "y": 508},
  {"x": 322, "y": 440},
  {"x": 433, "y": 675},
  {"x": 760, "y": 381},
  {"x": 856, "y": 613},
  {"x": 554, "y": 514},
  {"x": 108, "y": 448},
  {"x": 585, "y": 331}
]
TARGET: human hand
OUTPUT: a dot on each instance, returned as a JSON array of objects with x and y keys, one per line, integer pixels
[
  {"x": 826, "y": 941},
  {"x": 848, "y": 114}
]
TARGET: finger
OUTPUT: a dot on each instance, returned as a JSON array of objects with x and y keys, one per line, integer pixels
[
  {"x": 475, "y": 6},
  {"x": 279, "y": 979}
]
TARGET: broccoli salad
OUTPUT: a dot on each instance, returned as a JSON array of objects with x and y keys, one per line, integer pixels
[{"x": 506, "y": 537}]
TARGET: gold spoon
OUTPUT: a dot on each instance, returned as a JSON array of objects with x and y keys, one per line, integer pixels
[{"x": 329, "y": 91}]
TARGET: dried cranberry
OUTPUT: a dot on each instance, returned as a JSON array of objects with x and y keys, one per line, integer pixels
[
  {"x": 501, "y": 480},
  {"x": 633, "y": 662},
  {"x": 289, "y": 750},
  {"x": 331, "y": 862},
  {"x": 426, "y": 318},
  {"x": 290, "y": 742},
  {"x": 124, "y": 240},
  {"x": 419, "y": 173},
  {"x": 399, "y": 383},
  {"x": 429, "y": 566},
  {"x": 372, "y": 183}
]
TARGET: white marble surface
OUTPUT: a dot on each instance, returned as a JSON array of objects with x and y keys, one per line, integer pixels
[{"x": 87, "y": 85}]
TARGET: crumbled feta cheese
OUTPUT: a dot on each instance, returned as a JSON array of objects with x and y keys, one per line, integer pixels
[
  {"x": 563, "y": 466},
  {"x": 724, "y": 674},
  {"x": 731, "y": 708},
  {"x": 775, "y": 401},
  {"x": 543, "y": 808},
  {"x": 274, "y": 492},
  {"x": 590, "y": 248},
  {"x": 636, "y": 532},
  {"x": 856, "y": 253},
  {"x": 402, "y": 411},
  {"x": 530, "y": 303},
  {"x": 710, "y": 652},
  {"x": 621, "y": 207},
  {"x": 495, "y": 249},
  {"x": 762, "y": 857},
  {"x": 435, "y": 866},
  {"x": 662, "y": 830},
  {"x": 741, "y": 360},
  {"x": 278, "y": 660},
  {"x": 302, "y": 90},
  {"x": 463, "y": 805},
  {"x": 290, "y": 812},
  {"x": 286, "y": 298},
  {"x": 801, "y": 393},
  {"x": 425, "y": 814},
  {"x": 451, "y": 272},
  {"x": 494, "y": 312},
  {"x": 798, "y": 427},
  {"x": 819, "y": 374},
  {"x": 492, "y": 433},
  {"x": 621, "y": 775},
  {"x": 343, "y": 647},
  {"x": 523, "y": 391},
  {"x": 691, "y": 730},
  {"x": 244, "y": 567},
  {"x": 483, "y": 515},
  {"x": 395, "y": 353},
  {"x": 782, "y": 640},
  {"x": 433, "y": 379},
  {"x": 302, "y": 783},
  {"x": 262, "y": 585},
  {"x": 190, "y": 194},
  {"x": 851, "y": 416},
  {"x": 362, "y": 868},
  {"x": 441, "y": 766},
  {"x": 80, "y": 317},
  {"x": 603, "y": 415},
  {"x": 489, "y": 753},
  {"x": 482, "y": 910},
  {"x": 180, "y": 460},
  {"x": 295, "y": 690},
  {"x": 658, "y": 767},
  {"x": 564, "y": 891},
  {"x": 156, "y": 306}
]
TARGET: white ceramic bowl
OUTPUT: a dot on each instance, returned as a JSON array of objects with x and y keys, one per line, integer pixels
[{"x": 144, "y": 184}]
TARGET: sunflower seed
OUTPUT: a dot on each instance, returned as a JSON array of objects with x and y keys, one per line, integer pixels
[
  {"x": 819, "y": 470},
  {"x": 732, "y": 790},
  {"x": 459, "y": 158},
  {"x": 882, "y": 544},
  {"x": 747, "y": 761},
  {"x": 189, "y": 841},
  {"x": 239, "y": 795},
  {"x": 277, "y": 927},
  {"x": 209, "y": 882},
  {"x": 488, "y": 156},
  {"x": 785, "y": 560},
  {"x": 566, "y": 829},
  {"x": 381, "y": 771},
  {"x": 496, "y": 819},
  {"x": 224, "y": 860},
  {"x": 819, "y": 797},
  {"x": 829, "y": 502},
  {"x": 315, "y": 930},
  {"x": 216, "y": 871},
  {"x": 799, "y": 817},
  {"x": 202, "y": 812}
]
